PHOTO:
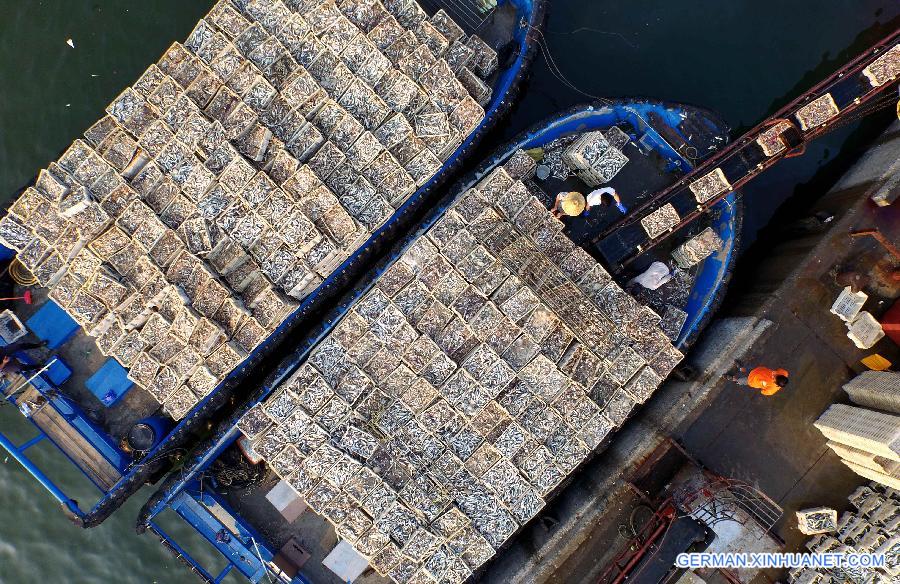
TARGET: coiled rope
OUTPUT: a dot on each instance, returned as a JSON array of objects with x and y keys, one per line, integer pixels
[{"x": 20, "y": 274}]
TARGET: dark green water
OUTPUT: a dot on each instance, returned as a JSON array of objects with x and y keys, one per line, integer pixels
[{"x": 741, "y": 58}]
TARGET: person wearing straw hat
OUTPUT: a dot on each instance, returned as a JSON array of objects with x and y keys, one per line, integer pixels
[{"x": 570, "y": 203}]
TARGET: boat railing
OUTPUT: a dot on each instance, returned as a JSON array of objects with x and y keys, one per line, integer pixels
[
  {"x": 70, "y": 506},
  {"x": 241, "y": 546},
  {"x": 66, "y": 410},
  {"x": 185, "y": 558}
]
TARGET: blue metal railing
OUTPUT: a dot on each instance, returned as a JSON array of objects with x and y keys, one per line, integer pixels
[
  {"x": 73, "y": 415},
  {"x": 241, "y": 549},
  {"x": 18, "y": 452},
  {"x": 245, "y": 549}
]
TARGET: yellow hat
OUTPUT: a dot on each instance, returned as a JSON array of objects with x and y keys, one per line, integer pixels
[{"x": 572, "y": 203}]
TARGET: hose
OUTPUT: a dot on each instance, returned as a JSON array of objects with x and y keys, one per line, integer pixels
[{"x": 20, "y": 274}]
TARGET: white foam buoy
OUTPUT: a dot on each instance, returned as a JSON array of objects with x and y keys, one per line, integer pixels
[{"x": 71, "y": 43}]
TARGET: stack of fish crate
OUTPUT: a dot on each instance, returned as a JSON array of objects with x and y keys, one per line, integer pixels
[
  {"x": 873, "y": 528},
  {"x": 879, "y": 390},
  {"x": 238, "y": 172},
  {"x": 450, "y": 402},
  {"x": 868, "y": 440},
  {"x": 594, "y": 159}
]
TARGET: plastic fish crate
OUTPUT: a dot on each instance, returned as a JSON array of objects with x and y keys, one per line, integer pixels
[
  {"x": 876, "y": 389},
  {"x": 867, "y": 430},
  {"x": 817, "y": 520}
]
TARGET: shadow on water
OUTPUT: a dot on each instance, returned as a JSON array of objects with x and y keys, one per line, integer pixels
[
  {"x": 865, "y": 39},
  {"x": 816, "y": 172}
]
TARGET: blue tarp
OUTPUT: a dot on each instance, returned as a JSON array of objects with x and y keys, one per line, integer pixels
[
  {"x": 109, "y": 383},
  {"x": 51, "y": 323}
]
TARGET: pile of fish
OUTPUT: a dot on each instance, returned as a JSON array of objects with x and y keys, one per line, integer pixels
[
  {"x": 710, "y": 185},
  {"x": 241, "y": 170},
  {"x": 871, "y": 527},
  {"x": 697, "y": 248},
  {"x": 816, "y": 521},
  {"x": 884, "y": 69},
  {"x": 482, "y": 368},
  {"x": 817, "y": 112},
  {"x": 660, "y": 221},
  {"x": 595, "y": 159}
]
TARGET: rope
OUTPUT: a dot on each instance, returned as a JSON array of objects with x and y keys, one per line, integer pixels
[
  {"x": 261, "y": 560},
  {"x": 596, "y": 30},
  {"x": 20, "y": 274},
  {"x": 469, "y": 17},
  {"x": 557, "y": 72}
]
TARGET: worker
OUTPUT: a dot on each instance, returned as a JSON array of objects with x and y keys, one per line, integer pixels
[
  {"x": 767, "y": 381},
  {"x": 571, "y": 203},
  {"x": 10, "y": 365},
  {"x": 12, "y": 348},
  {"x": 595, "y": 199},
  {"x": 652, "y": 278}
]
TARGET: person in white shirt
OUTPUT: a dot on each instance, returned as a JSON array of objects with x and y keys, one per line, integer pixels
[{"x": 595, "y": 199}]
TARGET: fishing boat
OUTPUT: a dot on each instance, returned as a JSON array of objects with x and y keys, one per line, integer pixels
[
  {"x": 454, "y": 390},
  {"x": 223, "y": 198}
]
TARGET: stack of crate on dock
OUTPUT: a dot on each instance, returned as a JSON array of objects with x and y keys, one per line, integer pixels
[
  {"x": 478, "y": 372},
  {"x": 874, "y": 528},
  {"x": 594, "y": 159},
  {"x": 868, "y": 440},
  {"x": 240, "y": 171}
]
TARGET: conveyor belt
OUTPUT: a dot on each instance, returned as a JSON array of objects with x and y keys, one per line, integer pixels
[{"x": 849, "y": 89}]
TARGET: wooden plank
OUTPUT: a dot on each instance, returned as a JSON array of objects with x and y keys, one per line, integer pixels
[{"x": 73, "y": 444}]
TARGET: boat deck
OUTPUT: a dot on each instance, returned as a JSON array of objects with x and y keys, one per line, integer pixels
[
  {"x": 645, "y": 173},
  {"x": 313, "y": 532},
  {"x": 87, "y": 431},
  {"x": 71, "y": 442},
  {"x": 81, "y": 355}
]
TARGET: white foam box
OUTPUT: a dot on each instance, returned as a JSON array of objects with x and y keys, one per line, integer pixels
[{"x": 286, "y": 500}]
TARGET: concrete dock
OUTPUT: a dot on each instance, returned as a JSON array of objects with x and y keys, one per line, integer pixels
[{"x": 781, "y": 320}]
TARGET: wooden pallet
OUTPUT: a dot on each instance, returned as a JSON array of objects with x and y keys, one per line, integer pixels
[{"x": 72, "y": 443}]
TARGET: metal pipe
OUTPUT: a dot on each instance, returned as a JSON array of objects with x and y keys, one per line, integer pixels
[
  {"x": 639, "y": 555},
  {"x": 184, "y": 557},
  {"x": 39, "y": 438},
  {"x": 880, "y": 238}
]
